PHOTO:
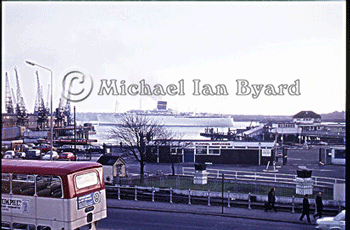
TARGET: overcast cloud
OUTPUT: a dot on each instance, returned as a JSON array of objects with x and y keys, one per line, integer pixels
[{"x": 218, "y": 43}]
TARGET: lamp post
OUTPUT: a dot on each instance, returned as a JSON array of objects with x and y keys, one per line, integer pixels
[
  {"x": 222, "y": 193},
  {"x": 259, "y": 153},
  {"x": 51, "y": 121}
]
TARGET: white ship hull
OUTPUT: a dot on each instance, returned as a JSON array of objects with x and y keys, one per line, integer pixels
[{"x": 176, "y": 121}]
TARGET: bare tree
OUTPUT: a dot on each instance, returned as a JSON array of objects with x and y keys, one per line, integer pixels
[
  {"x": 177, "y": 146},
  {"x": 136, "y": 132}
]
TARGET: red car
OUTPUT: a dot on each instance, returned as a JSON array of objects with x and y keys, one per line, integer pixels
[
  {"x": 67, "y": 156},
  {"x": 45, "y": 148}
]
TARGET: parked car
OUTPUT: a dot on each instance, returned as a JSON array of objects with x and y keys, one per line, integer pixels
[
  {"x": 66, "y": 148},
  {"x": 31, "y": 145},
  {"x": 25, "y": 147},
  {"x": 67, "y": 156},
  {"x": 47, "y": 156},
  {"x": 7, "y": 156},
  {"x": 11, "y": 153},
  {"x": 332, "y": 223},
  {"x": 96, "y": 149},
  {"x": 45, "y": 147},
  {"x": 23, "y": 155},
  {"x": 20, "y": 155},
  {"x": 33, "y": 154}
]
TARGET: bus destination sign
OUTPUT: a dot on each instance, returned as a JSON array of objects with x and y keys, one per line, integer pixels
[{"x": 14, "y": 205}]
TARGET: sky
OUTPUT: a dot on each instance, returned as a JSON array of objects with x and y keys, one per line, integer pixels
[{"x": 268, "y": 58}]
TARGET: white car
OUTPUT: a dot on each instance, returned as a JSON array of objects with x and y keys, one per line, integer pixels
[
  {"x": 8, "y": 156},
  {"x": 10, "y": 152},
  {"x": 47, "y": 155},
  {"x": 332, "y": 223}
]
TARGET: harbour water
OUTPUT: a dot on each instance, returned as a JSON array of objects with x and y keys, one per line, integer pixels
[{"x": 103, "y": 131}]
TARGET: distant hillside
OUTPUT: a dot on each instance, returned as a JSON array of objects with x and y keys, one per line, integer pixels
[
  {"x": 335, "y": 116},
  {"x": 90, "y": 116},
  {"x": 262, "y": 118}
]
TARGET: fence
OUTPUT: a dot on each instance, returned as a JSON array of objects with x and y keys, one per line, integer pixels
[
  {"x": 239, "y": 186},
  {"x": 326, "y": 182},
  {"x": 209, "y": 198}
]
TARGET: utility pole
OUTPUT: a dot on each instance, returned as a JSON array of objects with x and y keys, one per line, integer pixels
[
  {"x": 222, "y": 193},
  {"x": 51, "y": 121},
  {"x": 75, "y": 144}
]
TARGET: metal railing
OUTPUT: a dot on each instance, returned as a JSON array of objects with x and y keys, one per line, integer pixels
[
  {"x": 263, "y": 177},
  {"x": 215, "y": 185},
  {"x": 210, "y": 198},
  {"x": 325, "y": 133}
]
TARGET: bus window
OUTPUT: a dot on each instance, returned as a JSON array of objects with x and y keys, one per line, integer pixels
[
  {"x": 23, "y": 184},
  {"x": 86, "y": 180},
  {"x": 18, "y": 226},
  {"x": 48, "y": 186},
  {"x": 5, "y": 183},
  {"x": 5, "y": 226}
]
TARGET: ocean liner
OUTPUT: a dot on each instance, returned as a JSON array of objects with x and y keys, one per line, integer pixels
[{"x": 170, "y": 118}]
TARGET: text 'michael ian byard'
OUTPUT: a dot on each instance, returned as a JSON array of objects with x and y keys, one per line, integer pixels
[{"x": 244, "y": 88}]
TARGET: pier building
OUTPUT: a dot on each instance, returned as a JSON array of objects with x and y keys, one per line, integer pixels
[{"x": 214, "y": 152}]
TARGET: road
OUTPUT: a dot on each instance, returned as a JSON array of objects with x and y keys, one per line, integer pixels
[{"x": 121, "y": 219}]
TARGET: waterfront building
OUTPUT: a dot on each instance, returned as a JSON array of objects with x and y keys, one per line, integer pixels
[
  {"x": 213, "y": 152},
  {"x": 306, "y": 117}
]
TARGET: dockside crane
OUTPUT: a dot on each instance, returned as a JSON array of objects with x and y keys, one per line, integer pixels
[
  {"x": 39, "y": 108},
  {"x": 67, "y": 110},
  {"x": 63, "y": 112},
  {"x": 21, "y": 111},
  {"x": 59, "y": 114},
  {"x": 39, "y": 102},
  {"x": 14, "y": 99},
  {"x": 36, "y": 106},
  {"x": 8, "y": 97}
]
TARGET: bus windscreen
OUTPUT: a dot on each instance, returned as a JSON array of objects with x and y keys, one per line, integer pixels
[{"x": 86, "y": 180}]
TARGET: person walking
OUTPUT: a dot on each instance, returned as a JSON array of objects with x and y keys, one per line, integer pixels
[
  {"x": 319, "y": 205},
  {"x": 271, "y": 198},
  {"x": 306, "y": 208}
]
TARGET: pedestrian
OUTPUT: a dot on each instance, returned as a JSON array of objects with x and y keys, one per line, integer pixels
[
  {"x": 271, "y": 198},
  {"x": 306, "y": 208},
  {"x": 319, "y": 205}
]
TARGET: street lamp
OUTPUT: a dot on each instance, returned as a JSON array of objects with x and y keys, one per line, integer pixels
[
  {"x": 51, "y": 122},
  {"x": 259, "y": 153}
]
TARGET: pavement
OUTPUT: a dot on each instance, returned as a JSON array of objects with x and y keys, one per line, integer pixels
[{"x": 234, "y": 212}]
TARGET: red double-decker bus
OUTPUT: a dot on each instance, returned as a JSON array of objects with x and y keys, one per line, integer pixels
[{"x": 46, "y": 195}]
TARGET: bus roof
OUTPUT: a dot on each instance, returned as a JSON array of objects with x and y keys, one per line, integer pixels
[{"x": 44, "y": 167}]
